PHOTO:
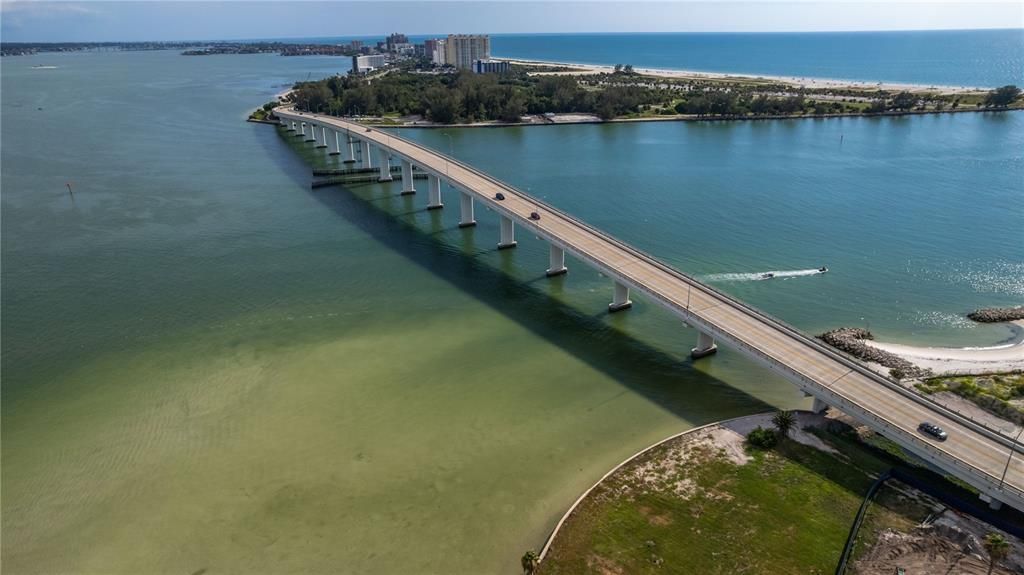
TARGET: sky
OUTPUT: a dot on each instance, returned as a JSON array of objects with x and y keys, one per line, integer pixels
[{"x": 84, "y": 21}]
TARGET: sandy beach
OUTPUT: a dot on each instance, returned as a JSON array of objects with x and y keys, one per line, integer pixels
[
  {"x": 813, "y": 83},
  {"x": 1006, "y": 356}
]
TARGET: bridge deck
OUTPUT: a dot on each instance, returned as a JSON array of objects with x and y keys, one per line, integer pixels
[{"x": 976, "y": 455}]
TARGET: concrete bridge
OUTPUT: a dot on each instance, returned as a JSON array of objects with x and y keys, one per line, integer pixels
[{"x": 984, "y": 458}]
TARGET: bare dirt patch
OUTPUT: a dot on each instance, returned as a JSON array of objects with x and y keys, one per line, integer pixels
[{"x": 948, "y": 543}]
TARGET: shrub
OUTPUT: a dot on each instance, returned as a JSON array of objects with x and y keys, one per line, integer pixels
[{"x": 763, "y": 438}]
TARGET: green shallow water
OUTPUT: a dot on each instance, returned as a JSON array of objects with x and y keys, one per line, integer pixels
[{"x": 206, "y": 365}]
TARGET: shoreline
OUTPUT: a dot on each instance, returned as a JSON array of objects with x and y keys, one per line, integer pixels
[
  {"x": 1004, "y": 356},
  {"x": 806, "y": 82},
  {"x": 687, "y": 118}
]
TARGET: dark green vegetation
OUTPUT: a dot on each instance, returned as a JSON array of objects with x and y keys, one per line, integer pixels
[
  {"x": 263, "y": 113},
  {"x": 1001, "y": 394},
  {"x": 787, "y": 510},
  {"x": 448, "y": 97},
  {"x": 466, "y": 97}
]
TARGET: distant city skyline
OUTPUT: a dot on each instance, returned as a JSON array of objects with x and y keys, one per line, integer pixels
[{"x": 97, "y": 21}]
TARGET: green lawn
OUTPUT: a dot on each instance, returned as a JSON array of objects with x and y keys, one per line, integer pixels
[{"x": 787, "y": 510}]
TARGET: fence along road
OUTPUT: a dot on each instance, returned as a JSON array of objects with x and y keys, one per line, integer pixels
[{"x": 984, "y": 458}]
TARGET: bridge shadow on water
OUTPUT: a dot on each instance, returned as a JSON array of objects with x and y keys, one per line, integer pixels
[
  {"x": 666, "y": 380},
  {"x": 670, "y": 382}
]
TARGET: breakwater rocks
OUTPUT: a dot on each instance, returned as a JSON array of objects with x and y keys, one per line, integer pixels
[
  {"x": 997, "y": 314},
  {"x": 851, "y": 340}
]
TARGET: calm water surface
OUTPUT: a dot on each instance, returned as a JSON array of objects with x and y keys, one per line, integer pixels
[
  {"x": 207, "y": 365},
  {"x": 984, "y": 58}
]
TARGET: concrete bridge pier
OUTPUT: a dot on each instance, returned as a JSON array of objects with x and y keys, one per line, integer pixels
[
  {"x": 323, "y": 137},
  {"x": 350, "y": 150},
  {"x": 818, "y": 406},
  {"x": 433, "y": 189},
  {"x": 333, "y": 148},
  {"x": 705, "y": 346},
  {"x": 292, "y": 126},
  {"x": 556, "y": 262},
  {"x": 311, "y": 136},
  {"x": 508, "y": 233},
  {"x": 621, "y": 299},
  {"x": 367, "y": 158},
  {"x": 385, "y": 166},
  {"x": 466, "y": 219},
  {"x": 409, "y": 186},
  {"x": 301, "y": 131}
]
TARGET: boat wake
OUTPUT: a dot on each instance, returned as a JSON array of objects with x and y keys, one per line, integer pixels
[{"x": 759, "y": 276}]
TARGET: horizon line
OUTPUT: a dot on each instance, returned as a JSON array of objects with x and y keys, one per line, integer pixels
[{"x": 441, "y": 35}]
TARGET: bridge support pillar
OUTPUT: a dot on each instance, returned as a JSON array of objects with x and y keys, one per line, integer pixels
[
  {"x": 409, "y": 186},
  {"x": 350, "y": 150},
  {"x": 367, "y": 158},
  {"x": 556, "y": 261},
  {"x": 818, "y": 406},
  {"x": 508, "y": 233},
  {"x": 705, "y": 346},
  {"x": 621, "y": 299},
  {"x": 332, "y": 143},
  {"x": 433, "y": 190},
  {"x": 385, "y": 166},
  {"x": 311, "y": 136},
  {"x": 286, "y": 124},
  {"x": 466, "y": 217},
  {"x": 293, "y": 126},
  {"x": 301, "y": 131},
  {"x": 323, "y": 137}
]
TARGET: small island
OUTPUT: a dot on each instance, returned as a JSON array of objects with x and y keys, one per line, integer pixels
[{"x": 415, "y": 93}]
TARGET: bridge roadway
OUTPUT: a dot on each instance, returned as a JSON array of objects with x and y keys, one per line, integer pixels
[{"x": 990, "y": 461}]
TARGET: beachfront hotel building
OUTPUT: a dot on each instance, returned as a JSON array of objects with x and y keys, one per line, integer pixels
[
  {"x": 461, "y": 50},
  {"x": 363, "y": 64}
]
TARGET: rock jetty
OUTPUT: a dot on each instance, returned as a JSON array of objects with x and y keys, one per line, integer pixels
[
  {"x": 997, "y": 314},
  {"x": 851, "y": 340}
]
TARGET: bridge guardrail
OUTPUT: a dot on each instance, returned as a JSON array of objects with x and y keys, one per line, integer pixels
[
  {"x": 848, "y": 361},
  {"x": 760, "y": 315}
]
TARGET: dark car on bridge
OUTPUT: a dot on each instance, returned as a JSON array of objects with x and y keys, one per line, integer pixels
[{"x": 933, "y": 430}]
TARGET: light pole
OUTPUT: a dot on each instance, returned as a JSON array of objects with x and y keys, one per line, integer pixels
[
  {"x": 1008, "y": 458},
  {"x": 451, "y": 152}
]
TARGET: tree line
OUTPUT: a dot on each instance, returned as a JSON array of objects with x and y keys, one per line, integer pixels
[{"x": 464, "y": 97}]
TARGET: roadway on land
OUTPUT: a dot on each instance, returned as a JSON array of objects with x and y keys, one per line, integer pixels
[{"x": 990, "y": 461}]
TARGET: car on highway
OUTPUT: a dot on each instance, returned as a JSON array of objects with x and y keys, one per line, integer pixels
[{"x": 933, "y": 430}]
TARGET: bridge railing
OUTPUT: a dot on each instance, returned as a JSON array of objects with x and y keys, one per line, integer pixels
[
  {"x": 918, "y": 444},
  {"x": 760, "y": 315},
  {"x": 768, "y": 319}
]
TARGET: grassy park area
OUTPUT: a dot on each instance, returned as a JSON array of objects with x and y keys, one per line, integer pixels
[{"x": 696, "y": 505}]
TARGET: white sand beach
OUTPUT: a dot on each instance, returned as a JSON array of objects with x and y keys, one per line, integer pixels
[
  {"x": 1007, "y": 356},
  {"x": 817, "y": 83}
]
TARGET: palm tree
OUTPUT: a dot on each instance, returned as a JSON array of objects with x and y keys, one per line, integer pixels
[
  {"x": 784, "y": 421},
  {"x": 998, "y": 548},
  {"x": 530, "y": 561}
]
